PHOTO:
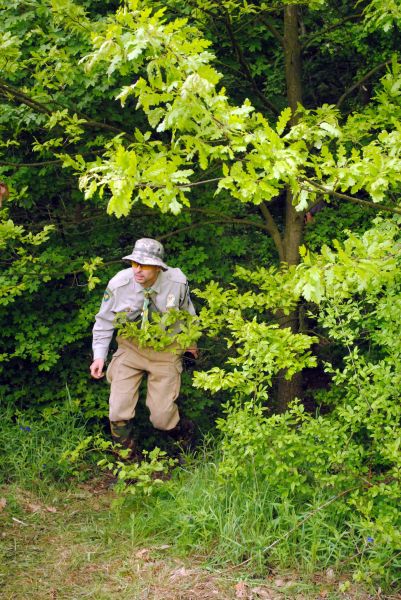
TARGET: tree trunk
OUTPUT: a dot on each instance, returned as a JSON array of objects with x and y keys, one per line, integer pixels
[
  {"x": 294, "y": 221},
  {"x": 292, "y": 58}
]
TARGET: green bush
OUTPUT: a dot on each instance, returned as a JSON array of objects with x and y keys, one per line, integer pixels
[{"x": 303, "y": 489}]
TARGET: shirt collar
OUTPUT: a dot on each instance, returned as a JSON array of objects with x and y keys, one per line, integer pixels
[{"x": 157, "y": 284}]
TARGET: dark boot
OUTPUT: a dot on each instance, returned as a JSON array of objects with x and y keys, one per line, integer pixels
[
  {"x": 183, "y": 433},
  {"x": 122, "y": 434}
]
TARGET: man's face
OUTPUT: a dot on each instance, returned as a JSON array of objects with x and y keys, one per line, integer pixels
[{"x": 145, "y": 275}]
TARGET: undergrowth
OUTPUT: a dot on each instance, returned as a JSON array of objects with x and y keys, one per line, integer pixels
[
  {"x": 250, "y": 525},
  {"x": 197, "y": 511},
  {"x": 34, "y": 446}
]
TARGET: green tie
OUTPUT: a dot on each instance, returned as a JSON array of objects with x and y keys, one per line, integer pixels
[{"x": 145, "y": 310}]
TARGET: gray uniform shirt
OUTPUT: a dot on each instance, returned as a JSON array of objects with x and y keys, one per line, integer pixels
[{"x": 124, "y": 294}]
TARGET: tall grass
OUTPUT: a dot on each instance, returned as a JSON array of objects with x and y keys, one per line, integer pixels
[
  {"x": 245, "y": 523},
  {"x": 230, "y": 523},
  {"x": 248, "y": 524},
  {"x": 32, "y": 447}
]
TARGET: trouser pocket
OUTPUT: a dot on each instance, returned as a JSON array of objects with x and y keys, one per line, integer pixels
[{"x": 109, "y": 372}]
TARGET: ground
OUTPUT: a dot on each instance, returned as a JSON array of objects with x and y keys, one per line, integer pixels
[{"x": 68, "y": 545}]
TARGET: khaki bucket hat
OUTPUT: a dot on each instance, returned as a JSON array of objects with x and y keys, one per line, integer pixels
[{"x": 148, "y": 252}]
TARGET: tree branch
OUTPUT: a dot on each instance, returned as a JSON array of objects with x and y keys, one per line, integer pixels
[
  {"x": 44, "y": 163},
  {"x": 275, "y": 32},
  {"x": 331, "y": 28},
  {"x": 8, "y": 90},
  {"x": 201, "y": 182},
  {"x": 179, "y": 185},
  {"x": 245, "y": 67},
  {"x": 367, "y": 203},
  {"x": 361, "y": 81},
  {"x": 188, "y": 228},
  {"x": 273, "y": 230},
  {"x": 225, "y": 219}
]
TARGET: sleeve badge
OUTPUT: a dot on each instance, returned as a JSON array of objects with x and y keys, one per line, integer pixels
[{"x": 107, "y": 295}]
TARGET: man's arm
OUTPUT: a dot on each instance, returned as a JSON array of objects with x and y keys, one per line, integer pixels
[
  {"x": 186, "y": 304},
  {"x": 102, "y": 334}
]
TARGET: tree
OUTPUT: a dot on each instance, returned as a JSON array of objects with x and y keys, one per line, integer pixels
[
  {"x": 49, "y": 232},
  {"x": 188, "y": 141},
  {"x": 186, "y": 133},
  {"x": 309, "y": 154}
]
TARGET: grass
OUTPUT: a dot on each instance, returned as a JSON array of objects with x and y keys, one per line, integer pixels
[
  {"x": 238, "y": 524},
  {"x": 33, "y": 448},
  {"x": 70, "y": 546},
  {"x": 193, "y": 537},
  {"x": 72, "y": 552},
  {"x": 248, "y": 525}
]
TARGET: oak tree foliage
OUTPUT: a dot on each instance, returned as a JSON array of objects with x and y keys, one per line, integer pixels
[{"x": 219, "y": 128}]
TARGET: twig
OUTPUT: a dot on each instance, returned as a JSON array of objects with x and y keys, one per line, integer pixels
[
  {"x": 18, "y": 521},
  {"x": 331, "y": 28},
  {"x": 245, "y": 67},
  {"x": 391, "y": 559},
  {"x": 352, "y": 199},
  {"x": 361, "y": 81}
]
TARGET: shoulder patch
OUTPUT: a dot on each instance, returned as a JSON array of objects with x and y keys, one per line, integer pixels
[{"x": 107, "y": 295}]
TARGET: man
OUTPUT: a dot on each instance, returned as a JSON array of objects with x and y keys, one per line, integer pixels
[{"x": 148, "y": 286}]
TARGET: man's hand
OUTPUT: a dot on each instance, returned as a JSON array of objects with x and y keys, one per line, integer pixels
[{"x": 96, "y": 368}]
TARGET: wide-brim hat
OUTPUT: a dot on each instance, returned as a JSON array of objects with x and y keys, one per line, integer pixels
[{"x": 148, "y": 252}]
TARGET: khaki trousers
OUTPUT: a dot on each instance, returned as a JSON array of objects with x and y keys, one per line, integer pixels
[{"x": 125, "y": 372}]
